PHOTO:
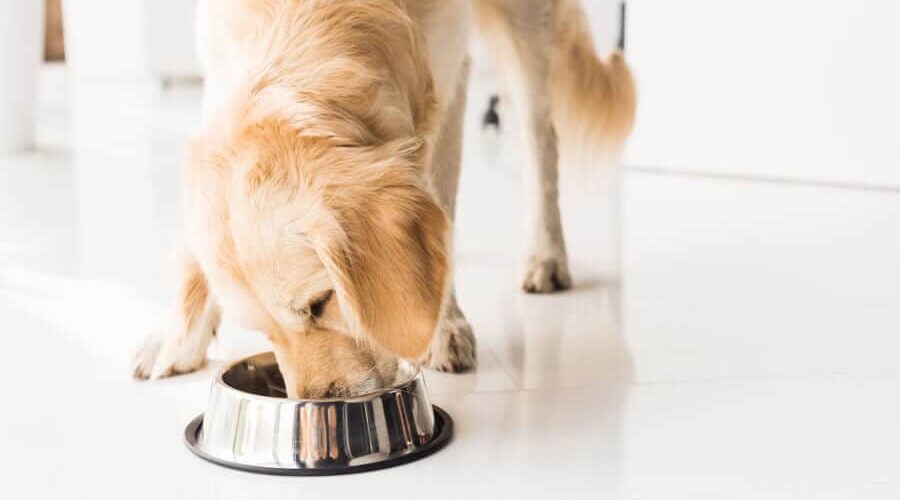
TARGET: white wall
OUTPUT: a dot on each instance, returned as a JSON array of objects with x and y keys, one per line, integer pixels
[
  {"x": 171, "y": 45},
  {"x": 21, "y": 50},
  {"x": 798, "y": 89},
  {"x": 604, "y": 20},
  {"x": 130, "y": 38}
]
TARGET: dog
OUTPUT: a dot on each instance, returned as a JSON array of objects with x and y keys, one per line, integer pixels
[{"x": 320, "y": 191}]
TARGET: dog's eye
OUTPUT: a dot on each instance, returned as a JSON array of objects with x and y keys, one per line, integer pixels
[{"x": 317, "y": 306}]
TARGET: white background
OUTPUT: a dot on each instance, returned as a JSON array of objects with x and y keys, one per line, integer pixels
[
  {"x": 796, "y": 89},
  {"x": 725, "y": 339}
]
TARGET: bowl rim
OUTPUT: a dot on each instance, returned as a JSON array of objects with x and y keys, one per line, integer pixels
[{"x": 414, "y": 378}]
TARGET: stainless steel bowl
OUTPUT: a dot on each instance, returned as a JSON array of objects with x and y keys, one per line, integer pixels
[{"x": 250, "y": 425}]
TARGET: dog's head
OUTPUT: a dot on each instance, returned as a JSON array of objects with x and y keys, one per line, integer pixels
[{"x": 336, "y": 252}]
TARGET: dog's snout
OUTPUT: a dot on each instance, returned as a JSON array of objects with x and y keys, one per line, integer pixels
[{"x": 326, "y": 364}]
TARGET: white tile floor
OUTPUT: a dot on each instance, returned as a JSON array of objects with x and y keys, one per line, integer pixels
[{"x": 726, "y": 338}]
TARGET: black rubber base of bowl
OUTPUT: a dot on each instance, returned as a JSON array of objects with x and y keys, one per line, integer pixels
[{"x": 443, "y": 432}]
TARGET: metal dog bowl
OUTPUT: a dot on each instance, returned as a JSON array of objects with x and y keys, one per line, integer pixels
[{"x": 250, "y": 425}]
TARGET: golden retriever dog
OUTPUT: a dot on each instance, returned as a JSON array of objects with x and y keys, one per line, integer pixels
[{"x": 321, "y": 189}]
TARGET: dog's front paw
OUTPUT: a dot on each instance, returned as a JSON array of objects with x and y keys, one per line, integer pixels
[
  {"x": 160, "y": 358},
  {"x": 143, "y": 359},
  {"x": 453, "y": 348},
  {"x": 546, "y": 275}
]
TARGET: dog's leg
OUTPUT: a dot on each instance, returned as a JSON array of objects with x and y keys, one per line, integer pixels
[
  {"x": 521, "y": 33},
  {"x": 453, "y": 347},
  {"x": 182, "y": 347}
]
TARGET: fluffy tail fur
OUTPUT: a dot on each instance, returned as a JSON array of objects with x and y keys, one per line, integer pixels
[{"x": 593, "y": 99}]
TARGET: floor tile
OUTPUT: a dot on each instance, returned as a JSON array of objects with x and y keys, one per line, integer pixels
[{"x": 725, "y": 339}]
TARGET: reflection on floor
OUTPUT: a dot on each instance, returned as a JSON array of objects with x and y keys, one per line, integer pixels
[{"x": 725, "y": 339}]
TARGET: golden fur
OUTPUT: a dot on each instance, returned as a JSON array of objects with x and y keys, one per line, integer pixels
[
  {"x": 316, "y": 210},
  {"x": 309, "y": 180},
  {"x": 594, "y": 99}
]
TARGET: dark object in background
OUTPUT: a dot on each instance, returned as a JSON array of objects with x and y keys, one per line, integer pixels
[
  {"x": 54, "y": 46},
  {"x": 491, "y": 117}
]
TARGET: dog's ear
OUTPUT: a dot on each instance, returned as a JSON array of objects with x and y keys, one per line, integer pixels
[{"x": 388, "y": 260}]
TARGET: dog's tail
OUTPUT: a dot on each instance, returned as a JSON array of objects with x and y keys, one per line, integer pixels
[{"x": 594, "y": 98}]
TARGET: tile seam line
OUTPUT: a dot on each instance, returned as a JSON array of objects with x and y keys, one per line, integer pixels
[
  {"x": 881, "y": 375},
  {"x": 784, "y": 181}
]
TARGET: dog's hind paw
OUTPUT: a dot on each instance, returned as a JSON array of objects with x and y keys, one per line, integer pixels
[{"x": 547, "y": 275}]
